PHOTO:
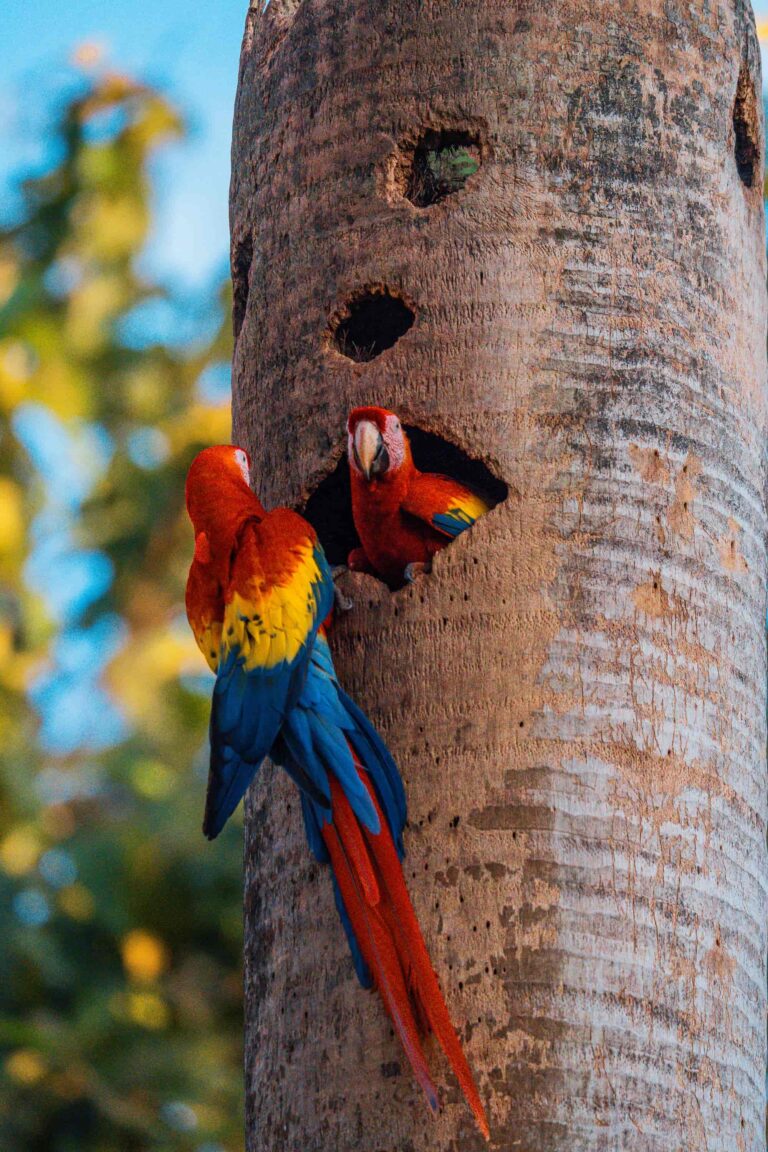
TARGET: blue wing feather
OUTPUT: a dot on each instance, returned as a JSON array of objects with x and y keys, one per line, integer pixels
[
  {"x": 453, "y": 523},
  {"x": 251, "y": 699}
]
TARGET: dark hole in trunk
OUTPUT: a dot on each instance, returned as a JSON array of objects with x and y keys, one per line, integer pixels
[
  {"x": 241, "y": 275},
  {"x": 440, "y": 165},
  {"x": 329, "y": 507},
  {"x": 745, "y": 129},
  {"x": 371, "y": 322}
]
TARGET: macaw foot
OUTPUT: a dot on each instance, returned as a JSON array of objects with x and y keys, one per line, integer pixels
[
  {"x": 341, "y": 602},
  {"x": 414, "y": 569}
]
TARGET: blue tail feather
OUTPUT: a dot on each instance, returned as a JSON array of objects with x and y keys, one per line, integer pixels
[
  {"x": 377, "y": 759},
  {"x": 361, "y": 968},
  {"x": 297, "y": 736},
  {"x": 313, "y": 821}
]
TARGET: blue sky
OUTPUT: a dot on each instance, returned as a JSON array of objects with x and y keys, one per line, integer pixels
[{"x": 190, "y": 50}]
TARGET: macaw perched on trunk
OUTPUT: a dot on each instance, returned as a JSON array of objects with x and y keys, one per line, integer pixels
[
  {"x": 258, "y": 596},
  {"x": 402, "y": 516}
]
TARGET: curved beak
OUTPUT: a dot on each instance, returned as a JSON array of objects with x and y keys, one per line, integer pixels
[{"x": 370, "y": 451}]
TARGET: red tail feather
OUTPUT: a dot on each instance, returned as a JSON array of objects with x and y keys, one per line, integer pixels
[
  {"x": 377, "y": 947},
  {"x": 385, "y": 924}
]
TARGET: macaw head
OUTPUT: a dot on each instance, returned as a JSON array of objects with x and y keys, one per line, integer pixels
[
  {"x": 218, "y": 487},
  {"x": 377, "y": 445}
]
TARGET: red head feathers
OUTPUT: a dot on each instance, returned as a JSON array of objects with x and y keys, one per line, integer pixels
[{"x": 218, "y": 489}]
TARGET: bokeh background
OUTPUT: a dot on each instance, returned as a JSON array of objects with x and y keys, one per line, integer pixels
[{"x": 121, "y": 936}]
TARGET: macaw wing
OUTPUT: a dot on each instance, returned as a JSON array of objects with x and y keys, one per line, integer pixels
[
  {"x": 280, "y": 592},
  {"x": 205, "y": 611},
  {"x": 444, "y": 504}
]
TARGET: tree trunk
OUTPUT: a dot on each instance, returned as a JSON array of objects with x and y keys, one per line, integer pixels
[{"x": 576, "y": 695}]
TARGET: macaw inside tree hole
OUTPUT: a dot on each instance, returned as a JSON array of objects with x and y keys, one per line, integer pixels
[
  {"x": 403, "y": 516},
  {"x": 258, "y": 597}
]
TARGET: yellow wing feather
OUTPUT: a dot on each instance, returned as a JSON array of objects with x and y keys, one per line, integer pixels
[
  {"x": 270, "y": 624},
  {"x": 469, "y": 504}
]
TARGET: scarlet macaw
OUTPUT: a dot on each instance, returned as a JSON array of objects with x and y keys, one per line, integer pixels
[
  {"x": 258, "y": 594},
  {"x": 402, "y": 516}
]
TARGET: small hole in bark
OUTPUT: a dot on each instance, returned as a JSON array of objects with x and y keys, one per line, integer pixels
[
  {"x": 439, "y": 165},
  {"x": 329, "y": 507},
  {"x": 745, "y": 129},
  {"x": 369, "y": 323},
  {"x": 242, "y": 258}
]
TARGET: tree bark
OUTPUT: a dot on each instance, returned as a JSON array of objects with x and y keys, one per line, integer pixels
[{"x": 576, "y": 695}]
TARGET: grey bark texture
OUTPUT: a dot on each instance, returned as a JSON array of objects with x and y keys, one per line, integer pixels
[{"x": 576, "y": 696}]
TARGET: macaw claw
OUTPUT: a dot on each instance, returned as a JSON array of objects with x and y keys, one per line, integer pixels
[
  {"x": 342, "y": 603},
  {"x": 414, "y": 569}
]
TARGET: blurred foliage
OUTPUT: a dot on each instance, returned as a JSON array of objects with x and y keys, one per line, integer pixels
[{"x": 120, "y": 983}]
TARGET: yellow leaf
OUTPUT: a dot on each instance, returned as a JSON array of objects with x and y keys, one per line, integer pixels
[
  {"x": 148, "y": 1010},
  {"x": 153, "y": 779},
  {"x": 16, "y": 366},
  {"x": 25, "y": 1066},
  {"x": 12, "y": 520},
  {"x": 91, "y": 308},
  {"x": 9, "y": 278},
  {"x": 145, "y": 957},
  {"x": 20, "y": 850},
  {"x": 200, "y": 424},
  {"x": 77, "y": 902}
]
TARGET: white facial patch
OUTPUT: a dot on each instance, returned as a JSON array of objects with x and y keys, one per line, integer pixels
[
  {"x": 351, "y": 452},
  {"x": 394, "y": 438},
  {"x": 242, "y": 463}
]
